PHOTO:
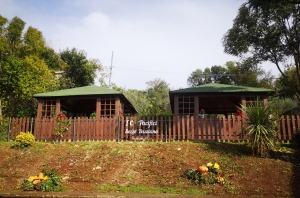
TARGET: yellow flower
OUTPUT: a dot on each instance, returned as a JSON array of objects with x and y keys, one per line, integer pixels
[
  {"x": 30, "y": 179},
  {"x": 209, "y": 164},
  {"x": 216, "y": 166},
  {"x": 220, "y": 179},
  {"x": 45, "y": 178},
  {"x": 36, "y": 181}
]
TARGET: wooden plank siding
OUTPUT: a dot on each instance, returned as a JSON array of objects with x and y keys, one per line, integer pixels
[{"x": 171, "y": 128}]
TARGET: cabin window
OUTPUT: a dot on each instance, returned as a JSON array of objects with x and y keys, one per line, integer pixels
[
  {"x": 108, "y": 106},
  {"x": 186, "y": 105},
  {"x": 48, "y": 108}
]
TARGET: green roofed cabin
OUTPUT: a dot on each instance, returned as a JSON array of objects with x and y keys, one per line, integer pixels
[
  {"x": 215, "y": 98},
  {"x": 82, "y": 102}
]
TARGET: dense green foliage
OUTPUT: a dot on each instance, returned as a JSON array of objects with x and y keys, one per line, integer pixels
[
  {"x": 79, "y": 70},
  {"x": 23, "y": 71},
  {"x": 153, "y": 101}
]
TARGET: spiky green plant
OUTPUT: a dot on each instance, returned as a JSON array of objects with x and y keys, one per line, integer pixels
[{"x": 259, "y": 128}]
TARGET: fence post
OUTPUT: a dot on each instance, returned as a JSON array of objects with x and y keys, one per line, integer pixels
[
  {"x": 215, "y": 131},
  {"x": 8, "y": 132},
  {"x": 74, "y": 129}
]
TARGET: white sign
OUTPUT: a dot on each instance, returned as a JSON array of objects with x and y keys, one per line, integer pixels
[{"x": 141, "y": 123}]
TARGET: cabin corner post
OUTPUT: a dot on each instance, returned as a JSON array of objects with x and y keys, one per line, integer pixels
[
  {"x": 243, "y": 100},
  {"x": 57, "y": 109},
  {"x": 98, "y": 107},
  {"x": 176, "y": 105},
  {"x": 196, "y": 106},
  {"x": 39, "y": 110},
  {"x": 265, "y": 100},
  {"x": 118, "y": 106}
]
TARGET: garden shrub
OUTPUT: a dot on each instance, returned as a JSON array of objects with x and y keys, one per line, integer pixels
[{"x": 24, "y": 139}]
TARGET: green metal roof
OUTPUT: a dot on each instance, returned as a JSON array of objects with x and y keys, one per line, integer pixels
[
  {"x": 217, "y": 88},
  {"x": 79, "y": 91}
]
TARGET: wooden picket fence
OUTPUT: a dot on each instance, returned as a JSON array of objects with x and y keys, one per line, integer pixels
[{"x": 191, "y": 128}]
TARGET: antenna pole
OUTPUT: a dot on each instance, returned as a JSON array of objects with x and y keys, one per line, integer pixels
[{"x": 110, "y": 69}]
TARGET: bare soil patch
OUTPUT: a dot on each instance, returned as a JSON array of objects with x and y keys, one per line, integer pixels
[{"x": 133, "y": 166}]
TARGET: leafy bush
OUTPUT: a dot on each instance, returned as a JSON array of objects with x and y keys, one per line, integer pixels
[
  {"x": 43, "y": 182},
  {"x": 24, "y": 139}
]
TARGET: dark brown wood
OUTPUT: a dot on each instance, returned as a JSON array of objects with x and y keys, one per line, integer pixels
[
  {"x": 289, "y": 133},
  {"x": 283, "y": 121},
  {"x": 179, "y": 128}
]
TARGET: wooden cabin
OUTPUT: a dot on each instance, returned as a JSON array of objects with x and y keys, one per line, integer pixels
[
  {"x": 82, "y": 102},
  {"x": 215, "y": 98}
]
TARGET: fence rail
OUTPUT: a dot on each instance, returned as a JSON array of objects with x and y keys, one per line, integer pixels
[{"x": 228, "y": 128}]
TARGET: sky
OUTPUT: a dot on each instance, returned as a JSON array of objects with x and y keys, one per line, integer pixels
[{"x": 143, "y": 40}]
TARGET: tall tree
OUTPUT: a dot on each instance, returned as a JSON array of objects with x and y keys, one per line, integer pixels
[
  {"x": 249, "y": 73},
  {"x": 158, "y": 95},
  {"x": 283, "y": 89},
  {"x": 268, "y": 32},
  {"x": 79, "y": 70},
  {"x": 219, "y": 74},
  {"x": 22, "y": 70},
  {"x": 196, "y": 78},
  {"x": 139, "y": 99}
]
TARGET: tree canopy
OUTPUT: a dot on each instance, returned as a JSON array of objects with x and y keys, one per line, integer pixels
[
  {"x": 79, "y": 70},
  {"x": 245, "y": 73},
  {"x": 268, "y": 31}
]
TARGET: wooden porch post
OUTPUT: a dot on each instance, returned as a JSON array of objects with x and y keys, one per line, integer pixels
[
  {"x": 39, "y": 110},
  {"x": 176, "y": 111},
  {"x": 196, "y": 106},
  {"x": 243, "y": 100},
  {"x": 265, "y": 100},
  {"x": 57, "y": 110},
  {"x": 118, "y": 106},
  {"x": 98, "y": 107}
]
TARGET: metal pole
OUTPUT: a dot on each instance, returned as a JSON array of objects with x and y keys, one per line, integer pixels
[
  {"x": 110, "y": 69},
  {"x": 31, "y": 125}
]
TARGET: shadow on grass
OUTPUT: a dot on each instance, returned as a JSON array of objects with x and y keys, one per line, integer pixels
[
  {"x": 288, "y": 154},
  {"x": 229, "y": 148}
]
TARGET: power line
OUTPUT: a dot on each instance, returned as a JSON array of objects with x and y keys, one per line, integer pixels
[
  {"x": 150, "y": 71},
  {"x": 203, "y": 75}
]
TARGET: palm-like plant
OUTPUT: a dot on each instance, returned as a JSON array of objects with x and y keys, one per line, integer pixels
[{"x": 259, "y": 127}]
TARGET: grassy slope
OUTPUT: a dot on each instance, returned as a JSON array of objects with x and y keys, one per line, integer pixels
[{"x": 151, "y": 167}]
